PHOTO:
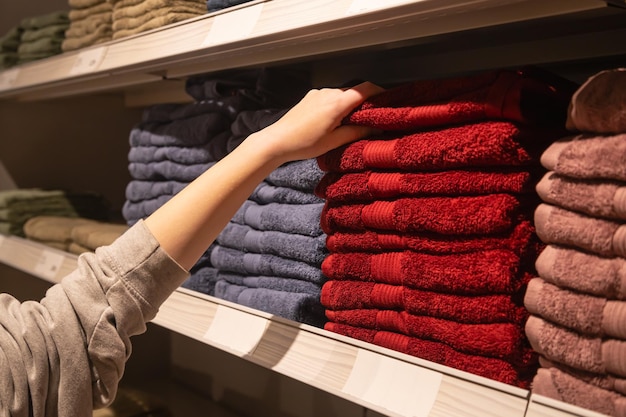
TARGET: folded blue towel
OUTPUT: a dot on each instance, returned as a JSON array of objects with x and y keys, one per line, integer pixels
[
  {"x": 167, "y": 171},
  {"x": 178, "y": 154},
  {"x": 271, "y": 283},
  {"x": 299, "y": 307},
  {"x": 133, "y": 211},
  {"x": 266, "y": 193},
  {"x": 202, "y": 280},
  {"x": 168, "y": 112},
  {"x": 303, "y": 219},
  {"x": 302, "y": 175},
  {"x": 233, "y": 260},
  {"x": 137, "y": 190},
  {"x": 287, "y": 245},
  {"x": 194, "y": 131}
]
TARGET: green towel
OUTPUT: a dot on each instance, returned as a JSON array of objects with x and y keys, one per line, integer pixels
[
  {"x": 11, "y": 40},
  {"x": 50, "y": 19},
  {"x": 52, "y": 32}
]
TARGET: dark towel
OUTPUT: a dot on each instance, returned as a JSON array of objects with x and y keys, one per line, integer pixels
[
  {"x": 266, "y": 193},
  {"x": 485, "y": 144},
  {"x": 491, "y": 308},
  {"x": 271, "y": 283},
  {"x": 233, "y": 260},
  {"x": 499, "y": 340},
  {"x": 193, "y": 131},
  {"x": 202, "y": 279},
  {"x": 177, "y": 154},
  {"x": 167, "y": 171},
  {"x": 301, "y": 175},
  {"x": 596, "y": 198},
  {"x": 215, "y": 5},
  {"x": 584, "y": 272},
  {"x": 599, "y": 105},
  {"x": 494, "y": 213},
  {"x": 133, "y": 211},
  {"x": 480, "y": 273},
  {"x": 523, "y": 96},
  {"x": 138, "y": 191},
  {"x": 303, "y": 219},
  {"x": 493, "y": 368}
]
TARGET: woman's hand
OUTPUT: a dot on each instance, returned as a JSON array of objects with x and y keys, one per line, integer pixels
[{"x": 313, "y": 126}]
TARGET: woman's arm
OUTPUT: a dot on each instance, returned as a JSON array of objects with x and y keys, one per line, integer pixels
[{"x": 187, "y": 224}]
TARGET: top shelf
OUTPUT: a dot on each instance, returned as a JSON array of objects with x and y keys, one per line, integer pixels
[{"x": 262, "y": 32}]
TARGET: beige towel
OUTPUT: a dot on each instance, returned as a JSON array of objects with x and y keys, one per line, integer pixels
[
  {"x": 101, "y": 23},
  {"x": 53, "y": 228},
  {"x": 599, "y": 105},
  {"x": 84, "y": 4},
  {"x": 80, "y": 14},
  {"x": 119, "y": 31},
  {"x": 130, "y": 9},
  {"x": 102, "y": 34},
  {"x": 94, "y": 235}
]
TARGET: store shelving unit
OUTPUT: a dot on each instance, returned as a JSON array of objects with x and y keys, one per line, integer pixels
[{"x": 332, "y": 37}]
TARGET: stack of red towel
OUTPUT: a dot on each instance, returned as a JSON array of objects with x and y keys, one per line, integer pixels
[
  {"x": 429, "y": 225},
  {"x": 577, "y": 302}
]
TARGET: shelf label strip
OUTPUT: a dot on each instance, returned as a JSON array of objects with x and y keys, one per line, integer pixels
[
  {"x": 236, "y": 330},
  {"x": 88, "y": 60},
  {"x": 234, "y": 25},
  {"x": 49, "y": 264},
  {"x": 393, "y": 385}
]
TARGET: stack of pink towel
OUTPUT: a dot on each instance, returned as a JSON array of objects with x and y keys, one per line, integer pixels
[
  {"x": 429, "y": 225},
  {"x": 577, "y": 302}
]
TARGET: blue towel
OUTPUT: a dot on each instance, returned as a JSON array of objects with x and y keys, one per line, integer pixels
[
  {"x": 266, "y": 193},
  {"x": 302, "y": 175},
  {"x": 287, "y": 245},
  {"x": 168, "y": 112},
  {"x": 272, "y": 283},
  {"x": 202, "y": 280},
  {"x": 137, "y": 190},
  {"x": 178, "y": 154},
  {"x": 233, "y": 260},
  {"x": 193, "y": 131},
  {"x": 167, "y": 171},
  {"x": 133, "y": 211},
  {"x": 299, "y": 307},
  {"x": 303, "y": 219}
]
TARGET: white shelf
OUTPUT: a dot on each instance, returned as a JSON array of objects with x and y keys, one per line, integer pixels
[
  {"x": 261, "y": 32},
  {"x": 345, "y": 367}
]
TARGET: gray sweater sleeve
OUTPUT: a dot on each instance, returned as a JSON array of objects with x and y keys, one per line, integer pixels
[{"x": 65, "y": 355}]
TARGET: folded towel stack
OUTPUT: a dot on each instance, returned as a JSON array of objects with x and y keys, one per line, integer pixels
[
  {"x": 18, "y": 206},
  {"x": 131, "y": 17},
  {"x": 578, "y": 300},
  {"x": 429, "y": 224},
  {"x": 72, "y": 234},
  {"x": 215, "y": 5},
  {"x": 9, "y": 42},
  {"x": 42, "y": 36},
  {"x": 91, "y": 23}
]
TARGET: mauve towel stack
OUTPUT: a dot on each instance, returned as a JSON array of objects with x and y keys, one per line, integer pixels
[
  {"x": 577, "y": 302},
  {"x": 429, "y": 224}
]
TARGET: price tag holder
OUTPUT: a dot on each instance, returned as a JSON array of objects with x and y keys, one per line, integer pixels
[
  {"x": 236, "y": 330},
  {"x": 394, "y": 385},
  {"x": 360, "y": 6},
  {"x": 8, "y": 78},
  {"x": 234, "y": 25},
  {"x": 49, "y": 264},
  {"x": 88, "y": 60}
]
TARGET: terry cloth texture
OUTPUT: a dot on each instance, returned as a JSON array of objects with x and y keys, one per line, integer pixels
[
  {"x": 9, "y": 42},
  {"x": 90, "y": 24},
  {"x": 42, "y": 36},
  {"x": 429, "y": 223},
  {"x": 599, "y": 105}
]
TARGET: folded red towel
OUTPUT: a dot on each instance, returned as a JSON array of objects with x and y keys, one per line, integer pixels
[
  {"x": 493, "y": 308},
  {"x": 493, "y": 368},
  {"x": 499, "y": 340},
  {"x": 369, "y": 185},
  {"x": 520, "y": 239},
  {"x": 522, "y": 95},
  {"x": 488, "y": 272},
  {"x": 485, "y": 144},
  {"x": 494, "y": 213}
]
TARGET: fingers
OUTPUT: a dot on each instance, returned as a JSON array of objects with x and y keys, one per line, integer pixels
[{"x": 357, "y": 94}]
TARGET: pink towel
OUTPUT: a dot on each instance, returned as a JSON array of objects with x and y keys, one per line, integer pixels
[
  {"x": 475, "y": 145},
  {"x": 585, "y": 156},
  {"x": 520, "y": 239},
  {"x": 604, "y": 381},
  {"x": 564, "y": 227},
  {"x": 587, "y": 353},
  {"x": 481, "y": 273},
  {"x": 584, "y": 272},
  {"x": 553, "y": 383},
  {"x": 599, "y": 105},
  {"x": 586, "y": 314},
  {"x": 369, "y": 185},
  {"x": 499, "y": 340},
  {"x": 493, "y": 368},
  {"x": 522, "y": 95},
  {"x": 474, "y": 309},
  {"x": 494, "y": 213},
  {"x": 595, "y": 198}
]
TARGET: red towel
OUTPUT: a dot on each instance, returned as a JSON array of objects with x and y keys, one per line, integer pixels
[
  {"x": 492, "y": 308},
  {"x": 520, "y": 239},
  {"x": 493, "y": 368},
  {"x": 476, "y": 145},
  {"x": 369, "y": 185},
  {"x": 523, "y": 96},
  {"x": 488, "y": 272},
  {"x": 499, "y": 340},
  {"x": 494, "y": 213}
]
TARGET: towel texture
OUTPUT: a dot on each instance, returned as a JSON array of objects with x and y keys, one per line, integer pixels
[{"x": 300, "y": 219}]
